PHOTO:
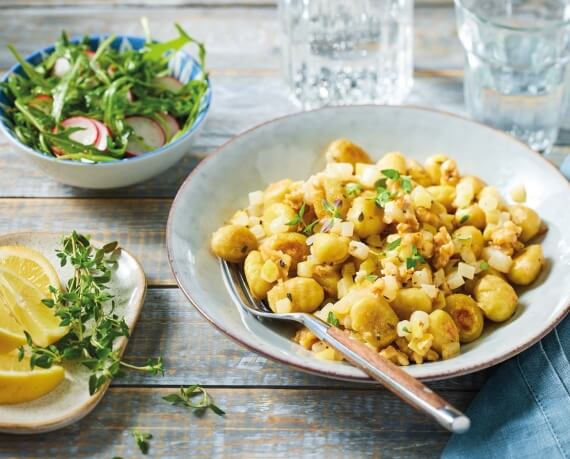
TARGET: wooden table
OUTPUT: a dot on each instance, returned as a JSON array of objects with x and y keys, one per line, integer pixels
[{"x": 272, "y": 410}]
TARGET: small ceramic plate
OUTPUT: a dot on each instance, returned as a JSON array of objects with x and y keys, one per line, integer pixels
[
  {"x": 294, "y": 147},
  {"x": 70, "y": 401}
]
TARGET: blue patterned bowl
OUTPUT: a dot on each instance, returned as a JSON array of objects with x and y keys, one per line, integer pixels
[{"x": 122, "y": 172}]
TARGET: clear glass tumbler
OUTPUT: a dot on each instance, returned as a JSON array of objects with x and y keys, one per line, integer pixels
[
  {"x": 339, "y": 52},
  {"x": 516, "y": 65}
]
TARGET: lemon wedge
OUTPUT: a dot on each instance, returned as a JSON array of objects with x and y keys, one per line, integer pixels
[
  {"x": 18, "y": 383},
  {"x": 25, "y": 277}
]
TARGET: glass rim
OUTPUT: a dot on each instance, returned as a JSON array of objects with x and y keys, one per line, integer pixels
[{"x": 553, "y": 25}]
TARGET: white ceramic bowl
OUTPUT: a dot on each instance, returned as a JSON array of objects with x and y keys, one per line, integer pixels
[
  {"x": 123, "y": 172},
  {"x": 294, "y": 147}
]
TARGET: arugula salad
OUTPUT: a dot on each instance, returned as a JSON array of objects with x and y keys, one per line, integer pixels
[{"x": 103, "y": 104}]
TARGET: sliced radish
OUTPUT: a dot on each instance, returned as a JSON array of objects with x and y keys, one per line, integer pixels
[
  {"x": 87, "y": 135},
  {"x": 61, "y": 66},
  {"x": 169, "y": 123},
  {"x": 148, "y": 135},
  {"x": 103, "y": 135},
  {"x": 169, "y": 84}
]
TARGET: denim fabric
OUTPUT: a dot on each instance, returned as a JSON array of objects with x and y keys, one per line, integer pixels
[{"x": 523, "y": 411}]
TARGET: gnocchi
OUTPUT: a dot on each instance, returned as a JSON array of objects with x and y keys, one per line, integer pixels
[{"x": 411, "y": 259}]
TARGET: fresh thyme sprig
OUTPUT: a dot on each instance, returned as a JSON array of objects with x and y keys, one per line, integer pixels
[
  {"x": 87, "y": 309},
  {"x": 186, "y": 396},
  {"x": 307, "y": 230},
  {"x": 142, "y": 440}
]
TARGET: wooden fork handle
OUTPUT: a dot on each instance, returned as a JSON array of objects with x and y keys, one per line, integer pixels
[{"x": 397, "y": 380}]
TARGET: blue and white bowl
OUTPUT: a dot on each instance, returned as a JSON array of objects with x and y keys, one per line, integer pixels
[{"x": 122, "y": 172}]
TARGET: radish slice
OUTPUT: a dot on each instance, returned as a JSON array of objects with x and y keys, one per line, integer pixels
[
  {"x": 61, "y": 67},
  {"x": 148, "y": 135},
  {"x": 88, "y": 135},
  {"x": 169, "y": 84},
  {"x": 169, "y": 123},
  {"x": 103, "y": 134}
]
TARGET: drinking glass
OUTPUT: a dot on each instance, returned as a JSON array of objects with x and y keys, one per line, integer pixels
[
  {"x": 339, "y": 52},
  {"x": 516, "y": 65}
]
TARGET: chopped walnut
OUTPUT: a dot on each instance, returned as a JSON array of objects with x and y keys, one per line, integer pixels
[
  {"x": 428, "y": 216},
  {"x": 506, "y": 236},
  {"x": 444, "y": 248},
  {"x": 281, "y": 259},
  {"x": 449, "y": 173},
  {"x": 417, "y": 358},
  {"x": 431, "y": 356},
  {"x": 305, "y": 338},
  {"x": 425, "y": 247},
  {"x": 410, "y": 222},
  {"x": 394, "y": 356},
  {"x": 295, "y": 197}
]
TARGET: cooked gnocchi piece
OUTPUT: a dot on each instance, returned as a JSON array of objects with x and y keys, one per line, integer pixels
[{"x": 410, "y": 259}]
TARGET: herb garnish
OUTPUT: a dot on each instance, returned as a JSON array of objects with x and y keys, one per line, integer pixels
[
  {"x": 396, "y": 243},
  {"x": 405, "y": 181},
  {"x": 331, "y": 319},
  {"x": 406, "y": 330},
  {"x": 88, "y": 309},
  {"x": 371, "y": 277},
  {"x": 298, "y": 219},
  {"x": 333, "y": 209},
  {"x": 382, "y": 196},
  {"x": 353, "y": 189},
  {"x": 142, "y": 440},
  {"x": 185, "y": 399},
  {"x": 484, "y": 265},
  {"x": 464, "y": 218},
  {"x": 416, "y": 258}
]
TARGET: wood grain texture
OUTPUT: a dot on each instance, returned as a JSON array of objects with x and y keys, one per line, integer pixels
[
  {"x": 260, "y": 423},
  {"x": 236, "y": 38},
  {"x": 195, "y": 351}
]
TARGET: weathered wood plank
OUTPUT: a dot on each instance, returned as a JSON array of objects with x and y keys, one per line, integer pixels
[
  {"x": 174, "y": 3},
  {"x": 236, "y": 38},
  {"x": 138, "y": 225},
  {"x": 260, "y": 423},
  {"x": 171, "y": 327},
  {"x": 239, "y": 104}
]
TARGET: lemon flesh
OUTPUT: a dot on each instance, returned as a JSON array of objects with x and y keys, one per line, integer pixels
[
  {"x": 18, "y": 383},
  {"x": 25, "y": 277}
]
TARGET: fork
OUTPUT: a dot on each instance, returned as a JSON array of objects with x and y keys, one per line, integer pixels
[{"x": 398, "y": 381}]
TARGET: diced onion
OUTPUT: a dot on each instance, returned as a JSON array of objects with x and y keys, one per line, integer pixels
[
  {"x": 258, "y": 231},
  {"x": 404, "y": 328},
  {"x": 255, "y": 198},
  {"x": 455, "y": 280},
  {"x": 358, "y": 250},
  {"x": 283, "y": 306},
  {"x": 463, "y": 194},
  {"x": 339, "y": 171},
  {"x": 467, "y": 255},
  {"x": 393, "y": 213},
  {"x": 391, "y": 288},
  {"x": 310, "y": 240},
  {"x": 420, "y": 277},
  {"x": 240, "y": 218},
  {"x": 335, "y": 226},
  {"x": 466, "y": 271},
  {"x": 518, "y": 193},
  {"x": 305, "y": 269},
  {"x": 343, "y": 286},
  {"x": 347, "y": 229},
  {"x": 279, "y": 225},
  {"x": 421, "y": 197},
  {"x": 431, "y": 290},
  {"x": 497, "y": 259},
  {"x": 253, "y": 221},
  {"x": 420, "y": 317},
  {"x": 369, "y": 176},
  {"x": 488, "y": 203}
]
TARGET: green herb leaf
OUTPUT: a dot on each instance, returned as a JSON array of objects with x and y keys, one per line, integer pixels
[
  {"x": 142, "y": 440},
  {"x": 383, "y": 196},
  {"x": 332, "y": 209},
  {"x": 395, "y": 243},
  {"x": 186, "y": 395},
  {"x": 331, "y": 319},
  {"x": 298, "y": 218},
  {"x": 484, "y": 265},
  {"x": 416, "y": 258},
  {"x": 464, "y": 218},
  {"x": 406, "y": 184},
  {"x": 391, "y": 173},
  {"x": 371, "y": 277},
  {"x": 353, "y": 189}
]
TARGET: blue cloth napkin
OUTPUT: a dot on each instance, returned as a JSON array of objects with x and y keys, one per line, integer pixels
[{"x": 523, "y": 411}]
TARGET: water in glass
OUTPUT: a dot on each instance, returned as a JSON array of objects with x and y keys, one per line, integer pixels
[
  {"x": 340, "y": 52},
  {"x": 516, "y": 70}
]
